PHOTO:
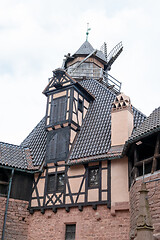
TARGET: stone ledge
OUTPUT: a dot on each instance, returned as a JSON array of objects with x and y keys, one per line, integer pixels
[{"x": 119, "y": 206}]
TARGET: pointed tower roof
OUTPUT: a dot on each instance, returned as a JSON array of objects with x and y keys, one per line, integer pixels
[{"x": 86, "y": 48}]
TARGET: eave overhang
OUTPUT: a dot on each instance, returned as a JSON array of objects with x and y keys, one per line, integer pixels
[{"x": 138, "y": 138}]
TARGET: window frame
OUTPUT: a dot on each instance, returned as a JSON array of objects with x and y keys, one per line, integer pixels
[
  {"x": 60, "y": 190},
  {"x": 49, "y": 187},
  {"x": 55, "y": 187},
  {"x": 93, "y": 168},
  {"x": 67, "y": 225}
]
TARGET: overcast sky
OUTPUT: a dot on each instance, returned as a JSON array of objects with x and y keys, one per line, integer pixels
[{"x": 35, "y": 35}]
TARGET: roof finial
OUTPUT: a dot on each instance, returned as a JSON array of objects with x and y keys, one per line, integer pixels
[{"x": 87, "y": 33}]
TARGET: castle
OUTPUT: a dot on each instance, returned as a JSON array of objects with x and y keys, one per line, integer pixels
[{"x": 78, "y": 174}]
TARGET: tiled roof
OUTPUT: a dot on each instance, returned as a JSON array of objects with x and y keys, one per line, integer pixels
[
  {"x": 94, "y": 137},
  {"x": 151, "y": 124},
  {"x": 15, "y": 156},
  {"x": 93, "y": 140},
  {"x": 86, "y": 48},
  {"x": 36, "y": 142}
]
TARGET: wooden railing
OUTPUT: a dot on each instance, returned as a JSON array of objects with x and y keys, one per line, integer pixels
[{"x": 96, "y": 73}]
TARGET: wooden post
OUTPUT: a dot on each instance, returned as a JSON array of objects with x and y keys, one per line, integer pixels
[
  {"x": 156, "y": 152},
  {"x": 135, "y": 161}
]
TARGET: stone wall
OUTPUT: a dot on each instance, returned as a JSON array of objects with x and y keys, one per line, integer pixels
[
  {"x": 90, "y": 224},
  {"x": 154, "y": 202},
  {"x": 17, "y": 219}
]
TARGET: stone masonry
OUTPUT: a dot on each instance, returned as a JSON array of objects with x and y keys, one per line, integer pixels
[
  {"x": 154, "y": 203},
  {"x": 90, "y": 224},
  {"x": 17, "y": 219}
]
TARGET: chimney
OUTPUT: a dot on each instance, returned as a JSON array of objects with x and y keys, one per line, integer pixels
[{"x": 121, "y": 120}]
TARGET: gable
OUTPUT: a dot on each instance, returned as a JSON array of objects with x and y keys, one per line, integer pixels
[{"x": 59, "y": 80}]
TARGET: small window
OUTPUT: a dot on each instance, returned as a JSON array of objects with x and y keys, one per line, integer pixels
[
  {"x": 80, "y": 105},
  {"x": 60, "y": 181},
  {"x": 55, "y": 182},
  {"x": 51, "y": 183},
  {"x": 70, "y": 231},
  {"x": 93, "y": 178}
]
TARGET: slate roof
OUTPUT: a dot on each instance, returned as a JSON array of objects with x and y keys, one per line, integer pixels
[
  {"x": 86, "y": 48},
  {"x": 150, "y": 125},
  {"x": 15, "y": 156},
  {"x": 36, "y": 142},
  {"x": 94, "y": 137}
]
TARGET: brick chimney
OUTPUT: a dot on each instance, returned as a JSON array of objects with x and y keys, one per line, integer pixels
[{"x": 121, "y": 120}]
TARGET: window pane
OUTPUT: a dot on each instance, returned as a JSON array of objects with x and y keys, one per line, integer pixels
[
  {"x": 70, "y": 232},
  {"x": 93, "y": 177},
  {"x": 60, "y": 181},
  {"x": 51, "y": 183}
]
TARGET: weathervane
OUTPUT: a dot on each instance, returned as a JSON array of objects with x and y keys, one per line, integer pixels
[{"x": 87, "y": 33}]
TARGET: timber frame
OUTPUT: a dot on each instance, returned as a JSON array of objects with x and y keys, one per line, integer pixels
[{"x": 67, "y": 198}]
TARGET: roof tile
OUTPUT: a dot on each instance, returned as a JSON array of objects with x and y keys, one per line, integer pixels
[
  {"x": 95, "y": 131},
  {"x": 15, "y": 156},
  {"x": 150, "y": 124}
]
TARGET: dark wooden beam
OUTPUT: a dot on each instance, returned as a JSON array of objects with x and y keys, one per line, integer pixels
[
  {"x": 147, "y": 160},
  {"x": 135, "y": 161},
  {"x": 156, "y": 152}
]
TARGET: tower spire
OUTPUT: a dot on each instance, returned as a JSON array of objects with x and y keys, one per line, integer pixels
[{"x": 87, "y": 33}]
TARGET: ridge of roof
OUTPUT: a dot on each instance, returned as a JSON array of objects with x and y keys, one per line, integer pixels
[{"x": 11, "y": 144}]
